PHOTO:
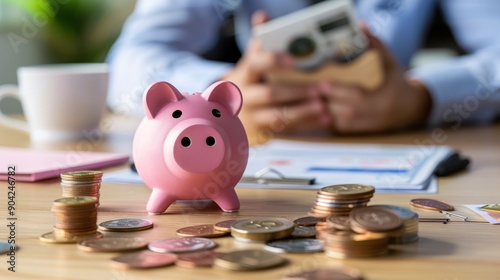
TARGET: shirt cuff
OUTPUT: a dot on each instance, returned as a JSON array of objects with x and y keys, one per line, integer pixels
[{"x": 452, "y": 87}]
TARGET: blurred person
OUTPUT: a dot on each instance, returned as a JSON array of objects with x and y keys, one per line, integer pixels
[{"x": 175, "y": 41}]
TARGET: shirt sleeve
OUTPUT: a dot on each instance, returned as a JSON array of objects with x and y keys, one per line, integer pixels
[
  {"x": 163, "y": 40},
  {"x": 467, "y": 89}
]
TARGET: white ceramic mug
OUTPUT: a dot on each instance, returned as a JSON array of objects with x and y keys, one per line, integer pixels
[{"x": 60, "y": 102}]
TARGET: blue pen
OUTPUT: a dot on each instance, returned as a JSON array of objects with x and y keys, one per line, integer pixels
[{"x": 354, "y": 169}]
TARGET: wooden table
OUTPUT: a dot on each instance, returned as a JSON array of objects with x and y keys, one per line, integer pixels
[{"x": 454, "y": 251}]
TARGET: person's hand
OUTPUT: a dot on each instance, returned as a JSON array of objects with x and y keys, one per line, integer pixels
[
  {"x": 398, "y": 103},
  {"x": 269, "y": 109}
]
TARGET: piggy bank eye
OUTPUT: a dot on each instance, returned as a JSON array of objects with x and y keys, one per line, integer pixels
[
  {"x": 216, "y": 113},
  {"x": 177, "y": 114}
]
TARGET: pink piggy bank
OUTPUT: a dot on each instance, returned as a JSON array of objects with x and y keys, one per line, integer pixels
[{"x": 191, "y": 147}]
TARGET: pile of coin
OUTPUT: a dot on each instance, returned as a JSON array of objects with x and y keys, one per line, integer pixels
[
  {"x": 76, "y": 219},
  {"x": 410, "y": 224},
  {"x": 364, "y": 233},
  {"x": 340, "y": 199},
  {"x": 81, "y": 183}
]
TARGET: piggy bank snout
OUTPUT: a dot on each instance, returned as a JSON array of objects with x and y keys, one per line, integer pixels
[{"x": 195, "y": 147}]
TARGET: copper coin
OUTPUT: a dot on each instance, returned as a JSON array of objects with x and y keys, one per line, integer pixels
[
  {"x": 431, "y": 204},
  {"x": 179, "y": 245},
  {"x": 224, "y": 226},
  {"x": 75, "y": 201},
  {"x": 374, "y": 219},
  {"x": 326, "y": 274},
  {"x": 50, "y": 237},
  {"x": 339, "y": 222},
  {"x": 112, "y": 244},
  {"x": 82, "y": 175},
  {"x": 126, "y": 225},
  {"x": 200, "y": 231},
  {"x": 142, "y": 259},
  {"x": 307, "y": 221},
  {"x": 197, "y": 259}
]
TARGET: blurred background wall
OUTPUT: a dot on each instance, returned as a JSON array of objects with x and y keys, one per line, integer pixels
[{"x": 56, "y": 31}]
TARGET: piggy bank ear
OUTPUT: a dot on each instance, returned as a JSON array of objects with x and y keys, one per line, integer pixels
[
  {"x": 225, "y": 93},
  {"x": 157, "y": 96}
]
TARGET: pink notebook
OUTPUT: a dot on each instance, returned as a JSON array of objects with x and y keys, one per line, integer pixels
[{"x": 34, "y": 165}]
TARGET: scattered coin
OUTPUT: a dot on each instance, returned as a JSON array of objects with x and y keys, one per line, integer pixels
[
  {"x": 142, "y": 259},
  {"x": 224, "y": 225},
  {"x": 179, "y": 245},
  {"x": 326, "y": 274},
  {"x": 307, "y": 221},
  {"x": 248, "y": 260},
  {"x": 112, "y": 244},
  {"x": 303, "y": 232},
  {"x": 431, "y": 204},
  {"x": 126, "y": 225},
  {"x": 374, "y": 219},
  {"x": 308, "y": 245},
  {"x": 197, "y": 259},
  {"x": 200, "y": 231},
  {"x": 262, "y": 229},
  {"x": 5, "y": 247}
]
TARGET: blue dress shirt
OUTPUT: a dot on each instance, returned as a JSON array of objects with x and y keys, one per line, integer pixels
[{"x": 164, "y": 40}]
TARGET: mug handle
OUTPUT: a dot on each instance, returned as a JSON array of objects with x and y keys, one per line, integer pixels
[{"x": 11, "y": 91}]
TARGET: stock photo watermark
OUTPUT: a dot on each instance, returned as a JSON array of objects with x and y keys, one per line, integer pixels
[{"x": 11, "y": 221}]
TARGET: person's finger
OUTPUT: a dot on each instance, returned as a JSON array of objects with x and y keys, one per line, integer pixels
[
  {"x": 305, "y": 116},
  {"x": 347, "y": 119},
  {"x": 260, "y": 95},
  {"x": 336, "y": 92},
  {"x": 386, "y": 55},
  {"x": 259, "y": 17}
]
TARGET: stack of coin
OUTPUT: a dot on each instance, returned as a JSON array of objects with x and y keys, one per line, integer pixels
[
  {"x": 261, "y": 229},
  {"x": 348, "y": 244},
  {"x": 340, "y": 199},
  {"x": 410, "y": 224},
  {"x": 76, "y": 219},
  {"x": 81, "y": 183},
  {"x": 364, "y": 233},
  {"x": 375, "y": 220}
]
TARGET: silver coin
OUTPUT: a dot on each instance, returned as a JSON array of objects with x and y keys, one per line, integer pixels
[
  {"x": 178, "y": 245},
  {"x": 307, "y": 245},
  {"x": 5, "y": 247},
  {"x": 126, "y": 225},
  {"x": 405, "y": 213}
]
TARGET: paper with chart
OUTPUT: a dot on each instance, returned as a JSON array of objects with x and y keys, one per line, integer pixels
[{"x": 393, "y": 168}]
